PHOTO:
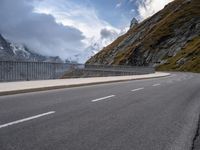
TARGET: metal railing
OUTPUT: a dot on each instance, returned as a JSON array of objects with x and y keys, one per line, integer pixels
[
  {"x": 26, "y": 71},
  {"x": 141, "y": 69}
]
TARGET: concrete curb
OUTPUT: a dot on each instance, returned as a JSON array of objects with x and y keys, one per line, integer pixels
[{"x": 13, "y": 92}]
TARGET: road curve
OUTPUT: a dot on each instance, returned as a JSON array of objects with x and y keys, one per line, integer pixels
[{"x": 151, "y": 114}]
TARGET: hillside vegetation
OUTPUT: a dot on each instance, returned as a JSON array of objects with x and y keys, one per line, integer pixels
[
  {"x": 169, "y": 40},
  {"x": 188, "y": 59}
]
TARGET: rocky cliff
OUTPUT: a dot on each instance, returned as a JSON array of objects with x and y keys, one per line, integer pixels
[{"x": 169, "y": 40}]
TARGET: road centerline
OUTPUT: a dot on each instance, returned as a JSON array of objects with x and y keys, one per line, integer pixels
[
  {"x": 158, "y": 84},
  {"x": 138, "y": 89},
  {"x": 26, "y": 119},
  {"x": 103, "y": 98}
]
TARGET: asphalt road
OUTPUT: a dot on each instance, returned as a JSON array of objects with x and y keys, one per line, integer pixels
[{"x": 151, "y": 114}]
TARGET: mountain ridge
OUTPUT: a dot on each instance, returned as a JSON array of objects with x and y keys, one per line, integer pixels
[
  {"x": 18, "y": 52},
  {"x": 159, "y": 39}
]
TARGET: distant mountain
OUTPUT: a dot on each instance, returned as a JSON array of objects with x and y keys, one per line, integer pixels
[
  {"x": 93, "y": 48},
  {"x": 88, "y": 52},
  {"x": 169, "y": 40},
  {"x": 18, "y": 52}
]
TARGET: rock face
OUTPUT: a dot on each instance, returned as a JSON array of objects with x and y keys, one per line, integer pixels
[
  {"x": 169, "y": 40},
  {"x": 134, "y": 22},
  {"x": 16, "y": 52}
]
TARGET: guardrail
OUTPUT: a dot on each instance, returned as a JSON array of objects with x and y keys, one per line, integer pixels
[
  {"x": 139, "y": 69},
  {"x": 26, "y": 71}
]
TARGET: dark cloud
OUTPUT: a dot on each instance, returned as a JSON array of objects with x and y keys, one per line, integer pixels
[
  {"x": 40, "y": 32},
  {"x": 106, "y": 33}
]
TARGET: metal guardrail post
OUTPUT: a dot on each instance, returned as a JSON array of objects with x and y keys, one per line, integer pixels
[{"x": 27, "y": 72}]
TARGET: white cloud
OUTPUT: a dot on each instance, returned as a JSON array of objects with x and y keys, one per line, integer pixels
[
  {"x": 81, "y": 17},
  {"x": 118, "y": 5},
  {"x": 147, "y": 8},
  {"x": 84, "y": 18},
  {"x": 39, "y": 32},
  {"x": 132, "y": 11}
]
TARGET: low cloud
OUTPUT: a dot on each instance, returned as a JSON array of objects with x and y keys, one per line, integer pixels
[{"x": 39, "y": 32}]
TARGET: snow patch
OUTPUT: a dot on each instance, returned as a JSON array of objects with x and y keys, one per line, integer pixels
[{"x": 19, "y": 48}]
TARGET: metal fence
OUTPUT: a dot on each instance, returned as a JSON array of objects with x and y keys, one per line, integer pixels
[
  {"x": 26, "y": 71},
  {"x": 122, "y": 68}
]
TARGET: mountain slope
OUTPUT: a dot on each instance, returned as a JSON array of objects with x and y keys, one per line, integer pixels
[
  {"x": 17, "y": 52},
  {"x": 168, "y": 40}
]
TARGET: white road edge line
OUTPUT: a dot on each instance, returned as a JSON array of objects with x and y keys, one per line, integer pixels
[
  {"x": 156, "y": 84},
  {"x": 103, "y": 98},
  {"x": 137, "y": 89},
  {"x": 26, "y": 119}
]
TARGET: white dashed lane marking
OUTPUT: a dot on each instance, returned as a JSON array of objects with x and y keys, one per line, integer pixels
[
  {"x": 103, "y": 98},
  {"x": 158, "y": 84},
  {"x": 26, "y": 119},
  {"x": 137, "y": 89}
]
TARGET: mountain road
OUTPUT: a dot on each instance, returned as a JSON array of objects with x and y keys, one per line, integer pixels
[{"x": 150, "y": 114}]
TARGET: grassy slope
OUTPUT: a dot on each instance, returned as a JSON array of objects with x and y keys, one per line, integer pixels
[
  {"x": 105, "y": 51},
  {"x": 121, "y": 56},
  {"x": 191, "y": 56},
  {"x": 161, "y": 30}
]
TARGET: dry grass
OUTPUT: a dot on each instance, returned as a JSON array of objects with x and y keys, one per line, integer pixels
[
  {"x": 191, "y": 54},
  {"x": 163, "y": 29}
]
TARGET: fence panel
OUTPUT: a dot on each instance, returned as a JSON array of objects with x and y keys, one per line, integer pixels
[{"x": 26, "y": 71}]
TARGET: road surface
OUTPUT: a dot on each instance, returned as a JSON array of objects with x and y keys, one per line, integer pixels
[{"x": 151, "y": 114}]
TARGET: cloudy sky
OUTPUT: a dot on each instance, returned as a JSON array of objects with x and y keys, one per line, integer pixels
[{"x": 66, "y": 28}]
